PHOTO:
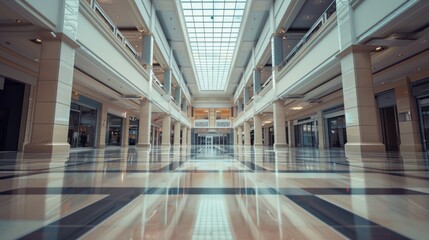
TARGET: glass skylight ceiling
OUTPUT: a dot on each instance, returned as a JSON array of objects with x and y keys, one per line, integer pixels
[{"x": 213, "y": 27}]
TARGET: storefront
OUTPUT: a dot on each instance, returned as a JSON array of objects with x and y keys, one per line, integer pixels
[
  {"x": 306, "y": 132},
  {"x": 114, "y": 130},
  {"x": 83, "y": 122},
  {"x": 386, "y": 103},
  {"x": 133, "y": 135},
  {"x": 335, "y": 125},
  {"x": 420, "y": 91}
]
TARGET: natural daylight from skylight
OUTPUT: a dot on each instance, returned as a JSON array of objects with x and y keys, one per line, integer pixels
[{"x": 213, "y": 27}]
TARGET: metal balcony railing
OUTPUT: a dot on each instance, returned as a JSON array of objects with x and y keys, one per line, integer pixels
[
  {"x": 100, "y": 12},
  {"x": 319, "y": 23}
]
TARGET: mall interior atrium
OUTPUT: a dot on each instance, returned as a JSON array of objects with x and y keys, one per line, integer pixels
[{"x": 214, "y": 119}]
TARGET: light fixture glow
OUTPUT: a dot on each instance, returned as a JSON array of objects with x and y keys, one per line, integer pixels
[{"x": 297, "y": 108}]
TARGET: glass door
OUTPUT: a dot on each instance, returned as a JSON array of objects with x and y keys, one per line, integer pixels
[
  {"x": 337, "y": 131},
  {"x": 424, "y": 122},
  {"x": 209, "y": 141}
]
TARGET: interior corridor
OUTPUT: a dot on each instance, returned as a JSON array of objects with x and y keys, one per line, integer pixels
[{"x": 213, "y": 192}]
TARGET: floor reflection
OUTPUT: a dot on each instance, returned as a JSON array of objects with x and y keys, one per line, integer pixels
[{"x": 213, "y": 192}]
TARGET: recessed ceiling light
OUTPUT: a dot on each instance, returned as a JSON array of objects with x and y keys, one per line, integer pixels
[
  {"x": 36, "y": 60},
  {"x": 18, "y": 20},
  {"x": 118, "y": 16},
  {"x": 36, "y": 40},
  {"x": 400, "y": 55},
  {"x": 297, "y": 108},
  {"x": 419, "y": 69},
  {"x": 284, "y": 37},
  {"x": 373, "y": 68},
  {"x": 288, "y": 46},
  {"x": 378, "y": 48},
  {"x": 382, "y": 83}
]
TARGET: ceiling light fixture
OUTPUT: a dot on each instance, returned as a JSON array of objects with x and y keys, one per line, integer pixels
[
  {"x": 297, "y": 108},
  {"x": 141, "y": 30},
  {"x": 18, "y": 20},
  {"x": 36, "y": 40},
  {"x": 400, "y": 55}
]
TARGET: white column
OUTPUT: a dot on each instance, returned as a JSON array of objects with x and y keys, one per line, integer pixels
[
  {"x": 53, "y": 97},
  {"x": 126, "y": 130},
  {"x": 102, "y": 127},
  {"x": 166, "y": 123},
  {"x": 321, "y": 130},
  {"x": 189, "y": 136},
  {"x": 235, "y": 137},
  {"x": 184, "y": 136},
  {"x": 145, "y": 123},
  {"x": 246, "y": 134},
  {"x": 409, "y": 124},
  {"x": 279, "y": 125},
  {"x": 291, "y": 128},
  {"x": 240, "y": 136},
  {"x": 257, "y": 131},
  {"x": 176, "y": 134},
  {"x": 359, "y": 102}
]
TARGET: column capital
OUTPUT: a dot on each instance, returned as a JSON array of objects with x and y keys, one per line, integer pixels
[{"x": 356, "y": 48}]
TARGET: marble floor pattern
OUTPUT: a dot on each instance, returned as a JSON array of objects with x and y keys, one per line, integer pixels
[{"x": 213, "y": 192}]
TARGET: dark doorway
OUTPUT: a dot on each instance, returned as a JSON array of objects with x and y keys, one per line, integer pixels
[
  {"x": 389, "y": 124},
  {"x": 11, "y": 100}
]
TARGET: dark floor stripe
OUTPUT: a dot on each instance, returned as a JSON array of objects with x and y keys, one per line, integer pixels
[
  {"x": 345, "y": 222},
  {"x": 215, "y": 191},
  {"x": 80, "y": 222}
]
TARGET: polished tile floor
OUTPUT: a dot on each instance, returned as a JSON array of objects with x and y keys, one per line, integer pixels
[{"x": 213, "y": 193}]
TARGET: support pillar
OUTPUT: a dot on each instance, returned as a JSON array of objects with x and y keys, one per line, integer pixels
[
  {"x": 257, "y": 131},
  {"x": 166, "y": 123},
  {"x": 176, "y": 134},
  {"x": 235, "y": 139},
  {"x": 321, "y": 130},
  {"x": 126, "y": 131},
  {"x": 184, "y": 136},
  {"x": 408, "y": 127},
  {"x": 256, "y": 81},
  {"x": 167, "y": 81},
  {"x": 291, "y": 128},
  {"x": 359, "y": 102},
  {"x": 102, "y": 127},
  {"x": 279, "y": 125},
  {"x": 246, "y": 134},
  {"x": 189, "y": 137},
  {"x": 240, "y": 136},
  {"x": 53, "y": 97},
  {"x": 145, "y": 123}
]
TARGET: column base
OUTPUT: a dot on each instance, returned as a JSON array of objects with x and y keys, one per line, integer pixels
[
  {"x": 144, "y": 145},
  {"x": 101, "y": 146},
  {"x": 361, "y": 148},
  {"x": 279, "y": 146},
  {"x": 410, "y": 148},
  {"x": 47, "y": 148},
  {"x": 165, "y": 146}
]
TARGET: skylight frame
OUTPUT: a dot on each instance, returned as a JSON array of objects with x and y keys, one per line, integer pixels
[{"x": 213, "y": 27}]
